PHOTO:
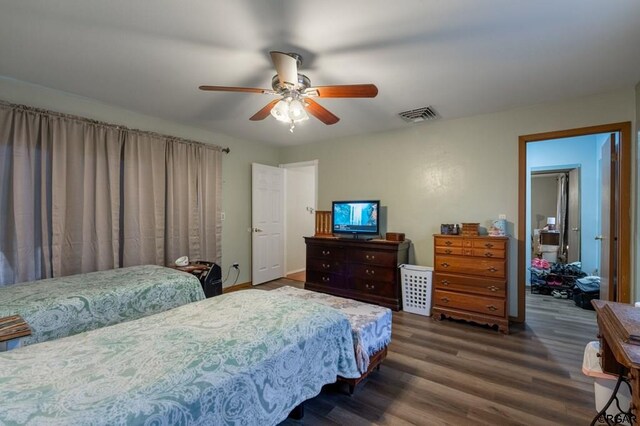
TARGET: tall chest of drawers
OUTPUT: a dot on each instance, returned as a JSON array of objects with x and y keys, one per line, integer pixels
[
  {"x": 357, "y": 269},
  {"x": 471, "y": 279}
]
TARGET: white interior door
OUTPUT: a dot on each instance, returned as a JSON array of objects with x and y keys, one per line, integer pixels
[{"x": 267, "y": 230}]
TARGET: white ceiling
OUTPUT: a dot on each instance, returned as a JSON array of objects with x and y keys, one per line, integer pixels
[{"x": 464, "y": 57}]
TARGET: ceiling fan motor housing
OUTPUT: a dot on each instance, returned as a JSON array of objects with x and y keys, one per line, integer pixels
[{"x": 303, "y": 83}]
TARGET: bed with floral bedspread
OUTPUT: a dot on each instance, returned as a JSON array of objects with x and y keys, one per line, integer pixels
[
  {"x": 246, "y": 357},
  {"x": 370, "y": 324},
  {"x": 60, "y": 307}
]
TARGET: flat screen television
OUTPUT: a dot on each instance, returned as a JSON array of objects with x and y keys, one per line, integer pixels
[{"x": 356, "y": 218}]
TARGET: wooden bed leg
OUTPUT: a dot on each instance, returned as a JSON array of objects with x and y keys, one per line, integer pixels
[
  {"x": 298, "y": 412},
  {"x": 352, "y": 389}
]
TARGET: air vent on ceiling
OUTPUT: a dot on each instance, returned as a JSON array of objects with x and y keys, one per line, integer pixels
[{"x": 419, "y": 114}]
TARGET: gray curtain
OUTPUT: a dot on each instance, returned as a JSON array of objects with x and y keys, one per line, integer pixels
[
  {"x": 562, "y": 214},
  {"x": 144, "y": 198},
  {"x": 25, "y": 196},
  {"x": 78, "y": 195},
  {"x": 193, "y": 206},
  {"x": 86, "y": 196}
]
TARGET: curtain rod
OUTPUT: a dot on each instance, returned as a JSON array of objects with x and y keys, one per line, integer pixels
[{"x": 226, "y": 150}]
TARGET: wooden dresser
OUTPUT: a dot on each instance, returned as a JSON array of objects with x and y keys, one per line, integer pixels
[
  {"x": 471, "y": 279},
  {"x": 357, "y": 269}
]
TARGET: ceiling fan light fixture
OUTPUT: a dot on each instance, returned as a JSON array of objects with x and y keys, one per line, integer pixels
[
  {"x": 281, "y": 111},
  {"x": 297, "y": 112},
  {"x": 291, "y": 111}
]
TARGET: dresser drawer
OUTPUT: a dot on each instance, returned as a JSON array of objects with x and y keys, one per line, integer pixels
[
  {"x": 470, "y": 284},
  {"x": 472, "y": 303},
  {"x": 445, "y": 241},
  {"x": 326, "y": 279},
  {"x": 449, "y": 250},
  {"x": 372, "y": 257},
  {"x": 488, "y": 253},
  {"x": 369, "y": 272},
  {"x": 495, "y": 268},
  {"x": 377, "y": 288},
  {"x": 489, "y": 244},
  {"x": 325, "y": 265},
  {"x": 325, "y": 252}
]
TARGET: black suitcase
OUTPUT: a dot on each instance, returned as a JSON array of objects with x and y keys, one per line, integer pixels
[{"x": 584, "y": 293}]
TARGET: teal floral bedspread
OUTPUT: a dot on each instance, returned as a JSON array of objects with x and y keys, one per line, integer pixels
[
  {"x": 244, "y": 358},
  {"x": 60, "y": 307},
  {"x": 370, "y": 324}
]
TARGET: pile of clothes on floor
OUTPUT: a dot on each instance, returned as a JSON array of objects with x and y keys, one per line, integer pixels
[
  {"x": 563, "y": 281},
  {"x": 539, "y": 268}
]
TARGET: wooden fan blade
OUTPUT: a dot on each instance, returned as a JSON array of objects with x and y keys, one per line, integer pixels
[
  {"x": 234, "y": 89},
  {"x": 264, "y": 112},
  {"x": 320, "y": 112},
  {"x": 287, "y": 68},
  {"x": 346, "y": 91}
]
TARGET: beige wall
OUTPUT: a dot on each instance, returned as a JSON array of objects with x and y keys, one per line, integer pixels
[
  {"x": 449, "y": 171},
  {"x": 236, "y": 166}
]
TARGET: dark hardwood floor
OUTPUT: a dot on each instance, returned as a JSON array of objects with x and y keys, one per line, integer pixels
[{"x": 454, "y": 373}]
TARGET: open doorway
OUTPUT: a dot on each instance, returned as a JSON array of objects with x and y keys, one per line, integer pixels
[
  {"x": 594, "y": 235},
  {"x": 300, "y": 206}
]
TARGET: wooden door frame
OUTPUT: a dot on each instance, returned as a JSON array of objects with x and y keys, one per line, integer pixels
[{"x": 623, "y": 215}]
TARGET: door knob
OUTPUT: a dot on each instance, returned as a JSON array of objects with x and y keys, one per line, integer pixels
[
  {"x": 257, "y": 230},
  {"x": 575, "y": 229},
  {"x": 599, "y": 237}
]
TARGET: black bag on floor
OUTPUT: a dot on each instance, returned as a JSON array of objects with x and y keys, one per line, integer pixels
[{"x": 585, "y": 292}]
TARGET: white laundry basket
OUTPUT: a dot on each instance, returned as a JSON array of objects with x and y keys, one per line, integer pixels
[
  {"x": 416, "y": 289},
  {"x": 604, "y": 384}
]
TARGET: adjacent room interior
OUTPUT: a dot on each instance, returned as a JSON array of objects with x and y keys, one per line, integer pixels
[{"x": 330, "y": 213}]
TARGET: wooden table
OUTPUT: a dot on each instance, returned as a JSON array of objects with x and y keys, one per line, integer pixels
[
  {"x": 619, "y": 334},
  {"x": 13, "y": 327}
]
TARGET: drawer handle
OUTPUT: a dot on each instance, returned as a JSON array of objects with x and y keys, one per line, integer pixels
[
  {"x": 326, "y": 279},
  {"x": 369, "y": 271},
  {"x": 488, "y": 245},
  {"x": 445, "y": 299},
  {"x": 370, "y": 286},
  {"x": 492, "y": 269},
  {"x": 447, "y": 243},
  {"x": 493, "y": 288},
  {"x": 488, "y": 254},
  {"x": 492, "y": 308},
  {"x": 444, "y": 282},
  {"x": 444, "y": 265},
  {"x": 369, "y": 256},
  {"x": 326, "y": 265},
  {"x": 326, "y": 252},
  {"x": 448, "y": 251}
]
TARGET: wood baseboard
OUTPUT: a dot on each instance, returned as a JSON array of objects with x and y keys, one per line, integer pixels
[{"x": 236, "y": 287}]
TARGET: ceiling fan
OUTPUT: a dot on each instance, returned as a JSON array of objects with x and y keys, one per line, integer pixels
[{"x": 295, "y": 93}]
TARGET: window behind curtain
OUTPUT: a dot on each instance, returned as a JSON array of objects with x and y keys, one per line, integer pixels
[{"x": 78, "y": 196}]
